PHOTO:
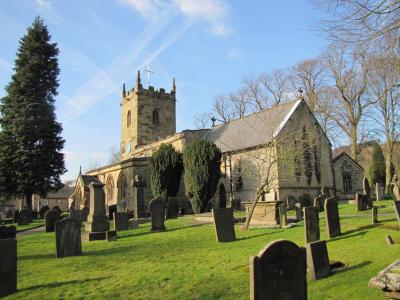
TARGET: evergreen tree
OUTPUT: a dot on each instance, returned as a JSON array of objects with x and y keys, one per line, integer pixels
[
  {"x": 30, "y": 139},
  {"x": 166, "y": 171},
  {"x": 377, "y": 170},
  {"x": 201, "y": 161}
]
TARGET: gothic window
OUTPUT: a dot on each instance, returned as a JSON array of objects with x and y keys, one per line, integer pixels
[
  {"x": 109, "y": 189},
  {"x": 347, "y": 184},
  {"x": 128, "y": 119},
  {"x": 155, "y": 117},
  {"x": 122, "y": 188}
]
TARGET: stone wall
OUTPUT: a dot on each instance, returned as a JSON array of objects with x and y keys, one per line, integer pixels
[{"x": 344, "y": 164}]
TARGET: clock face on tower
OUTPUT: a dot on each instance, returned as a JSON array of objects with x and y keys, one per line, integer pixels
[{"x": 128, "y": 147}]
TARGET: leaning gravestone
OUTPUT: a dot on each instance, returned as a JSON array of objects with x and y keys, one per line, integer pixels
[
  {"x": 224, "y": 224},
  {"x": 374, "y": 212},
  {"x": 332, "y": 217},
  {"x": 42, "y": 211},
  {"x": 366, "y": 187},
  {"x": 361, "y": 202},
  {"x": 24, "y": 217},
  {"x": 172, "y": 208},
  {"x": 311, "y": 224},
  {"x": 279, "y": 272},
  {"x": 68, "y": 238},
  {"x": 299, "y": 213},
  {"x": 8, "y": 260},
  {"x": 396, "y": 206},
  {"x": 121, "y": 221},
  {"x": 97, "y": 221},
  {"x": 157, "y": 210},
  {"x": 318, "y": 260},
  {"x": 378, "y": 191},
  {"x": 51, "y": 217},
  {"x": 290, "y": 202}
]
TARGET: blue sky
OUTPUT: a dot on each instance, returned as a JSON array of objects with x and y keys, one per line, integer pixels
[{"x": 206, "y": 45}]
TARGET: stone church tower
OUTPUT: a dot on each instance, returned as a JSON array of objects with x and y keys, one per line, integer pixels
[{"x": 147, "y": 115}]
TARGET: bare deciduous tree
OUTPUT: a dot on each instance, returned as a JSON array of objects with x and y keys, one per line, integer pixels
[
  {"x": 115, "y": 155},
  {"x": 276, "y": 87}
]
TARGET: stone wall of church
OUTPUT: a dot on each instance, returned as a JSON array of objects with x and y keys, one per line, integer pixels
[{"x": 346, "y": 169}]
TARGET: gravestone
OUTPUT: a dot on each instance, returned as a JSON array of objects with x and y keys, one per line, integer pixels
[
  {"x": 42, "y": 211},
  {"x": 319, "y": 203},
  {"x": 34, "y": 214},
  {"x": 378, "y": 191},
  {"x": 97, "y": 221},
  {"x": 57, "y": 208},
  {"x": 224, "y": 224},
  {"x": 76, "y": 215},
  {"x": 279, "y": 272},
  {"x": 282, "y": 216},
  {"x": 157, "y": 210},
  {"x": 332, "y": 217},
  {"x": 133, "y": 223},
  {"x": 396, "y": 206},
  {"x": 306, "y": 200},
  {"x": 361, "y": 202},
  {"x": 172, "y": 208},
  {"x": 68, "y": 238},
  {"x": 121, "y": 221},
  {"x": 299, "y": 213},
  {"x": 138, "y": 185},
  {"x": 396, "y": 188},
  {"x": 389, "y": 240},
  {"x": 112, "y": 235},
  {"x": 366, "y": 187},
  {"x": 325, "y": 191},
  {"x": 84, "y": 213},
  {"x": 311, "y": 224},
  {"x": 290, "y": 202},
  {"x": 8, "y": 261},
  {"x": 24, "y": 217},
  {"x": 318, "y": 260},
  {"x": 374, "y": 212},
  {"x": 51, "y": 217}
]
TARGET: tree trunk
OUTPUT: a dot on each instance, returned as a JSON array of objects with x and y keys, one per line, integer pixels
[
  {"x": 28, "y": 198},
  {"x": 354, "y": 144},
  {"x": 388, "y": 160},
  {"x": 250, "y": 214}
]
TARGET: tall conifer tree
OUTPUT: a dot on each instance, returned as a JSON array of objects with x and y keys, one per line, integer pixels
[{"x": 31, "y": 160}]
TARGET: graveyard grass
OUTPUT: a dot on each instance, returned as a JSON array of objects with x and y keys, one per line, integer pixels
[{"x": 186, "y": 262}]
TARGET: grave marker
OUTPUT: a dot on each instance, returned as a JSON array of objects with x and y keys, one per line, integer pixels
[
  {"x": 374, "y": 213},
  {"x": 121, "y": 221},
  {"x": 318, "y": 260},
  {"x": 311, "y": 224},
  {"x": 51, "y": 217},
  {"x": 172, "y": 208},
  {"x": 332, "y": 217},
  {"x": 224, "y": 224},
  {"x": 378, "y": 191},
  {"x": 8, "y": 261},
  {"x": 24, "y": 217},
  {"x": 157, "y": 210},
  {"x": 68, "y": 238},
  {"x": 282, "y": 216},
  {"x": 138, "y": 185},
  {"x": 396, "y": 206}
]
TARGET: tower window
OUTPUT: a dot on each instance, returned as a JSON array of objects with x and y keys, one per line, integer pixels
[
  {"x": 155, "y": 117},
  {"x": 128, "y": 119},
  {"x": 347, "y": 182}
]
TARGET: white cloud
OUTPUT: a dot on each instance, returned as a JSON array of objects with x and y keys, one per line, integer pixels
[
  {"x": 232, "y": 54},
  {"x": 43, "y": 6}
]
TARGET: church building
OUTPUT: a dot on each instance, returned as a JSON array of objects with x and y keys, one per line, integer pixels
[{"x": 283, "y": 145}]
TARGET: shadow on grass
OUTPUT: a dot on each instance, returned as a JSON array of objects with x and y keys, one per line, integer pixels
[
  {"x": 360, "y": 228},
  {"x": 167, "y": 230},
  {"x": 60, "y": 283},
  {"x": 347, "y": 236},
  {"x": 254, "y": 236},
  {"x": 357, "y": 266},
  {"x": 37, "y": 256},
  {"x": 113, "y": 250}
]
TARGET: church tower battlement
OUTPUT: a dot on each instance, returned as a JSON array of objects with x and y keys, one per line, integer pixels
[{"x": 147, "y": 115}]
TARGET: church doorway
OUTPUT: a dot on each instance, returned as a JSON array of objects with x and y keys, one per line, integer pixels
[
  {"x": 111, "y": 210},
  {"x": 221, "y": 203}
]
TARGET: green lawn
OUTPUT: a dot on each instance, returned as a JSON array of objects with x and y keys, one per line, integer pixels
[
  {"x": 34, "y": 224},
  {"x": 185, "y": 262}
]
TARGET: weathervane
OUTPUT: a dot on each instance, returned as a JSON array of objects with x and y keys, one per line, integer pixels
[{"x": 148, "y": 71}]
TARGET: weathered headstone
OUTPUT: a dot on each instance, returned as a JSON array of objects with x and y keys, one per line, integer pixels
[
  {"x": 290, "y": 202},
  {"x": 112, "y": 235},
  {"x": 157, "y": 210},
  {"x": 97, "y": 221},
  {"x": 85, "y": 213},
  {"x": 311, "y": 224},
  {"x": 306, "y": 200},
  {"x": 366, "y": 187},
  {"x": 133, "y": 223},
  {"x": 282, "y": 216},
  {"x": 374, "y": 213},
  {"x": 138, "y": 185},
  {"x": 325, "y": 191},
  {"x": 51, "y": 217},
  {"x": 319, "y": 203},
  {"x": 8, "y": 232},
  {"x": 43, "y": 210},
  {"x": 389, "y": 240},
  {"x": 76, "y": 215},
  {"x": 279, "y": 272},
  {"x": 299, "y": 213},
  {"x": 378, "y": 191},
  {"x": 318, "y": 260},
  {"x": 396, "y": 206},
  {"x": 361, "y": 202},
  {"x": 121, "y": 221},
  {"x": 24, "y": 217},
  {"x": 68, "y": 238},
  {"x": 172, "y": 208},
  {"x": 8, "y": 262},
  {"x": 224, "y": 224},
  {"x": 332, "y": 217}
]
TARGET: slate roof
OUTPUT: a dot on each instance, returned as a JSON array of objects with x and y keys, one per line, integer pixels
[
  {"x": 344, "y": 154},
  {"x": 253, "y": 130},
  {"x": 87, "y": 179}
]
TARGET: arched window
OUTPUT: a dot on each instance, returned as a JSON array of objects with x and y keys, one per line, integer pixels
[
  {"x": 155, "y": 117},
  {"x": 128, "y": 119},
  {"x": 122, "y": 190},
  {"x": 109, "y": 189}
]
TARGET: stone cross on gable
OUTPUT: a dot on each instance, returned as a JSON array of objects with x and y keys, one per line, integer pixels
[{"x": 148, "y": 71}]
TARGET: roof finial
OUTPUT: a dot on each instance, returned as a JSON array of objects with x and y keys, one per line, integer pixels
[
  {"x": 123, "y": 90},
  {"x": 138, "y": 81},
  {"x": 173, "y": 86},
  {"x": 80, "y": 170},
  {"x": 300, "y": 93}
]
